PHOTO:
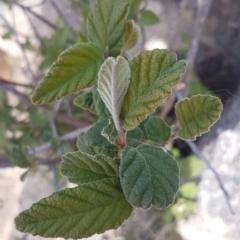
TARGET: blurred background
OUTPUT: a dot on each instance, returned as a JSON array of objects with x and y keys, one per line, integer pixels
[{"x": 32, "y": 138}]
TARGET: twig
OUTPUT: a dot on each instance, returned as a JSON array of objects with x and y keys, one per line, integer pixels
[
  {"x": 63, "y": 17},
  {"x": 196, "y": 150},
  {"x": 70, "y": 120},
  {"x": 167, "y": 106},
  {"x": 12, "y": 89},
  {"x": 25, "y": 236},
  {"x": 192, "y": 53},
  {"x": 37, "y": 5},
  {"x": 5, "y": 162},
  {"x": 30, "y": 72},
  {"x": 37, "y": 35},
  {"x": 146, "y": 226},
  {"x": 48, "y": 23},
  {"x": 52, "y": 118},
  {"x": 181, "y": 90},
  {"x": 10, "y": 83},
  {"x": 64, "y": 138}
]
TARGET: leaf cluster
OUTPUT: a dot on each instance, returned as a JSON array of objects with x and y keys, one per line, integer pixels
[{"x": 121, "y": 162}]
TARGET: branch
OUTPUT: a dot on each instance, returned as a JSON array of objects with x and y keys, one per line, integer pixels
[
  {"x": 196, "y": 150},
  {"x": 69, "y": 136},
  {"x": 12, "y": 89},
  {"x": 37, "y": 35},
  {"x": 48, "y": 23},
  {"x": 29, "y": 69},
  {"x": 5, "y": 162},
  {"x": 192, "y": 53},
  {"x": 13, "y": 30},
  {"x": 167, "y": 106},
  {"x": 37, "y": 5},
  {"x": 58, "y": 10},
  {"x": 181, "y": 91},
  {"x": 14, "y": 84}
]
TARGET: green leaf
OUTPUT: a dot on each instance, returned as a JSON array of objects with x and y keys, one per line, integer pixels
[
  {"x": 75, "y": 70},
  {"x": 182, "y": 208},
  {"x": 106, "y": 24},
  {"x": 134, "y": 137},
  {"x": 46, "y": 63},
  {"x": 132, "y": 35},
  {"x": 77, "y": 212},
  {"x": 142, "y": 127},
  {"x": 7, "y": 35},
  {"x": 84, "y": 9},
  {"x": 197, "y": 114},
  {"x": 148, "y": 176},
  {"x": 46, "y": 136},
  {"x": 113, "y": 82},
  {"x": 101, "y": 109},
  {"x": 94, "y": 138},
  {"x": 83, "y": 38},
  {"x": 135, "y": 5},
  {"x": 190, "y": 167},
  {"x": 110, "y": 132},
  {"x": 83, "y": 147},
  {"x": 24, "y": 176},
  {"x": 189, "y": 190},
  {"x": 157, "y": 130},
  {"x": 153, "y": 75},
  {"x": 55, "y": 143},
  {"x": 85, "y": 101},
  {"x": 82, "y": 168},
  {"x": 148, "y": 18},
  {"x": 21, "y": 158}
]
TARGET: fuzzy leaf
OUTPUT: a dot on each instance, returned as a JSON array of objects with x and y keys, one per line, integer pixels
[
  {"x": 189, "y": 190},
  {"x": 77, "y": 212},
  {"x": 94, "y": 138},
  {"x": 110, "y": 132},
  {"x": 190, "y": 167},
  {"x": 153, "y": 75},
  {"x": 100, "y": 107},
  {"x": 157, "y": 130},
  {"x": 106, "y": 24},
  {"x": 21, "y": 158},
  {"x": 148, "y": 18},
  {"x": 142, "y": 127},
  {"x": 85, "y": 101},
  {"x": 75, "y": 70},
  {"x": 132, "y": 35},
  {"x": 197, "y": 114},
  {"x": 148, "y": 176},
  {"x": 134, "y": 137},
  {"x": 113, "y": 82},
  {"x": 135, "y": 5},
  {"x": 93, "y": 150},
  {"x": 82, "y": 168},
  {"x": 24, "y": 175}
]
